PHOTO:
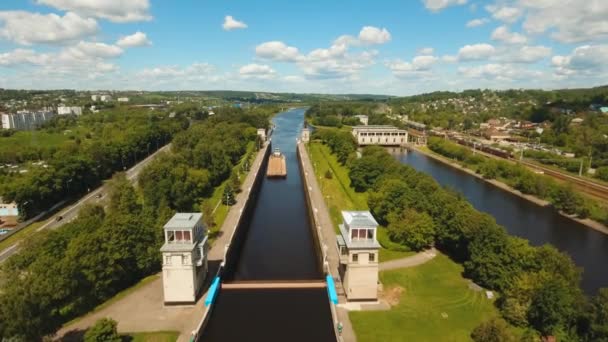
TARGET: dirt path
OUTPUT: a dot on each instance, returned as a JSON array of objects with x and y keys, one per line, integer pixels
[{"x": 411, "y": 261}]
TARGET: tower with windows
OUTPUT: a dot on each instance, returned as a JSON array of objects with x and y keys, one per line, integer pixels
[
  {"x": 358, "y": 249},
  {"x": 185, "y": 261}
]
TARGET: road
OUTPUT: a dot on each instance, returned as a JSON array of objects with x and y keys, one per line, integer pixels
[{"x": 94, "y": 197}]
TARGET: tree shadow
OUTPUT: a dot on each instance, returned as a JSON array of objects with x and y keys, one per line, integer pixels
[{"x": 76, "y": 335}]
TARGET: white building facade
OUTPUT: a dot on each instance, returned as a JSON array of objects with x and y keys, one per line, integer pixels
[
  {"x": 380, "y": 135},
  {"x": 358, "y": 249},
  {"x": 65, "y": 110},
  {"x": 185, "y": 262},
  {"x": 26, "y": 120}
]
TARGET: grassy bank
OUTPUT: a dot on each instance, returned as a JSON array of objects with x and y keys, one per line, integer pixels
[
  {"x": 436, "y": 305},
  {"x": 339, "y": 195},
  {"x": 159, "y": 336}
]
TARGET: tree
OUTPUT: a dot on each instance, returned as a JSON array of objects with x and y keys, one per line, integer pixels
[
  {"x": 552, "y": 307},
  {"x": 602, "y": 173},
  {"x": 494, "y": 330},
  {"x": 208, "y": 218},
  {"x": 228, "y": 196},
  {"x": 411, "y": 228},
  {"x": 598, "y": 317},
  {"x": 104, "y": 330},
  {"x": 328, "y": 174}
]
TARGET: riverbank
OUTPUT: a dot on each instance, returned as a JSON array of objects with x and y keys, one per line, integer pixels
[{"x": 540, "y": 202}]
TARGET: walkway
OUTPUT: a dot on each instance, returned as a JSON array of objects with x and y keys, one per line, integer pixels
[
  {"x": 143, "y": 310},
  {"x": 328, "y": 236},
  {"x": 411, "y": 261}
]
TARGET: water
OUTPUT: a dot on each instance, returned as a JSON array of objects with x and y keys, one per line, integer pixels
[
  {"x": 587, "y": 247},
  {"x": 278, "y": 244}
]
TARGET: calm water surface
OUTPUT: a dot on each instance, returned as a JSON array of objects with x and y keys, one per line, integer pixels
[{"x": 587, "y": 247}]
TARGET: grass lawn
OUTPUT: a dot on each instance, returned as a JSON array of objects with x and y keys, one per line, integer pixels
[
  {"x": 159, "y": 336},
  {"x": 436, "y": 305}
]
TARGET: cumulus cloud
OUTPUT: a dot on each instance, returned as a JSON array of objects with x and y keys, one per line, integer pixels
[
  {"x": 23, "y": 56},
  {"x": 114, "y": 10},
  {"x": 507, "y": 14},
  {"x": 425, "y": 51},
  {"x": 503, "y": 34},
  {"x": 586, "y": 59},
  {"x": 92, "y": 49},
  {"x": 232, "y": 24},
  {"x": 136, "y": 39},
  {"x": 438, "y": 5},
  {"x": 173, "y": 71},
  {"x": 278, "y": 51},
  {"x": 371, "y": 35},
  {"x": 260, "y": 71},
  {"x": 28, "y": 28},
  {"x": 501, "y": 72},
  {"x": 476, "y": 52},
  {"x": 477, "y": 22},
  {"x": 420, "y": 66},
  {"x": 527, "y": 54}
]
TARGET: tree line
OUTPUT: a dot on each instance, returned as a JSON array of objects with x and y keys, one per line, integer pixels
[
  {"x": 562, "y": 197},
  {"x": 64, "y": 273},
  {"x": 539, "y": 286}
]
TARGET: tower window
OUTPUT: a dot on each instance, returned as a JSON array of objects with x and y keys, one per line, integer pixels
[
  {"x": 355, "y": 257},
  {"x": 372, "y": 257}
]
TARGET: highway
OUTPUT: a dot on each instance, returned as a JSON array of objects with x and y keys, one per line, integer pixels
[{"x": 94, "y": 197}]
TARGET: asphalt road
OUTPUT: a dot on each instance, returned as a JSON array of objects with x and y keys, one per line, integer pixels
[{"x": 96, "y": 196}]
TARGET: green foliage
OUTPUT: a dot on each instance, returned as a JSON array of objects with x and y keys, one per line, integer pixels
[
  {"x": 228, "y": 196},
  {"x": 412, "y": 229},
  {"x": 493, "y": 330},
  {"x": 553, "y": 307},
  {"x": 341, "y": 143},
  {"x": 328, "y": 175},
  {"x": 602, "y": 173},
  {"x": 104, "y": 330}
]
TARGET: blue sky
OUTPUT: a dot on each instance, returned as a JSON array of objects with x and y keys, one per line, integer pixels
[{"x": 383, "y": 47}]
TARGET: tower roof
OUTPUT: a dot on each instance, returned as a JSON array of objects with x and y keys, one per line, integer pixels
[
  {"x": 183, "y": 221},
  {"x": 359, "y": 219}
]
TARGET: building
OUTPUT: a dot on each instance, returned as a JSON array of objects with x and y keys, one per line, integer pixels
[
  {"x": 577, "y": 121},
  {"x": 416, "y": 137},
  {"x": 65, "y": 110},
  {"x": 184, "y": 258},
  {"x": 9, "y": 214},
  {"x": 122, "y": 99},
  {"x": 105, "y": 98},
  {"x": 495, "y": 136},
  {"x": 305, "y": 134},
  {"x": 363, "y": 119},
  {"x": 380, "y": 135},
  {"x": 95, "y": 98},
  {"x": 262, "y": 133},
  {"x": 358, "y": 250},
  {"x": 26, "y": 120}
]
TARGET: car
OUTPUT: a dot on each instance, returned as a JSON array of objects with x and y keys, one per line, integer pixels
[
  {"x": 99, "y": 195},
  {"x": 59, "y": 218},
  {"x": 4, "y": 231}
]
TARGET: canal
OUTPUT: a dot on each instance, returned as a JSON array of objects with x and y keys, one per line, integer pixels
[
  {"x": 587, "y": 247},
  {"x": 277, "y": 244}
]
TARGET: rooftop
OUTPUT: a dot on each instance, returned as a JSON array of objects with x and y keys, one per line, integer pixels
[
  {"x": 356, "y": 244},
  {"x": 183, "y": 221},
  {"x": 359, "y": 219}
]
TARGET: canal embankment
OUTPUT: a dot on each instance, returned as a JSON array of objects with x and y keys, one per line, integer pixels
[
  {"x": 324, "y": 232},
  {"x": 533, "y": 199}
]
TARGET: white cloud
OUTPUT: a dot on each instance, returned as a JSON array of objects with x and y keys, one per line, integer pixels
[
  {"x": 476, "y": 52},
  {"x": 91, "y": 49},
  {"x": 23, "y": 56},
  {"x": 586, "y": 59},
  {"x": 527, "y": 54},
  {"x": 371, "y": 35},
  {"x": 260, "y": 71},
  {"x": 501, "y": 72},
  {"x": 505, "y": 13},
  {"x": 232, "y": 24},
  {"x": 438, "y": 5},
  {"x": 136, "y": 39},
  {"x": 191, "y": 72},
  {"x": 425, "y": 51},
  {"x": 477, "y": 22},
  {"x": 503, "y": 34},
  {"x": 420, "y": 66},
  {"x": 449, "y": 58},
  {"x": 114, "y": 10},
  {"x": 278, "y": 51},
  {"x": 28, "y": 28}
]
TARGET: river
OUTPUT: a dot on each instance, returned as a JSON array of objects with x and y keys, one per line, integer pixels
[
  {"x": 587, "y": 247},
  {"x": 277, "y": 244}
]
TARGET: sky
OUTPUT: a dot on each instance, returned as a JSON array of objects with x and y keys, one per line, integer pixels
[{"x": 393, "y": 47}]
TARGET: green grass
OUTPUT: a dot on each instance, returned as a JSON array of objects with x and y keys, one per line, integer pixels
[
  {"x": 337, "y": 191},
  {"x": 21, "y": 235},
  {"x": 158, "y": 336},
  {"x": 430, "y": 290},
  {"x": 145, "y": 281}
]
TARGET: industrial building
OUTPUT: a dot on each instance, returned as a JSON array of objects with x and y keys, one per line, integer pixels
[
  {"x": 380, "y": 135},
  {"x": 66, "y": 110}
]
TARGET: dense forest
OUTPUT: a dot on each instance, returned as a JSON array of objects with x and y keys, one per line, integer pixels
[
  {"x": 64, "y": 273},
  {"x": 539, "y": 286}
]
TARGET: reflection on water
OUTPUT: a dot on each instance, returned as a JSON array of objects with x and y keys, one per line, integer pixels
[{"x": 587, "y": 247}]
